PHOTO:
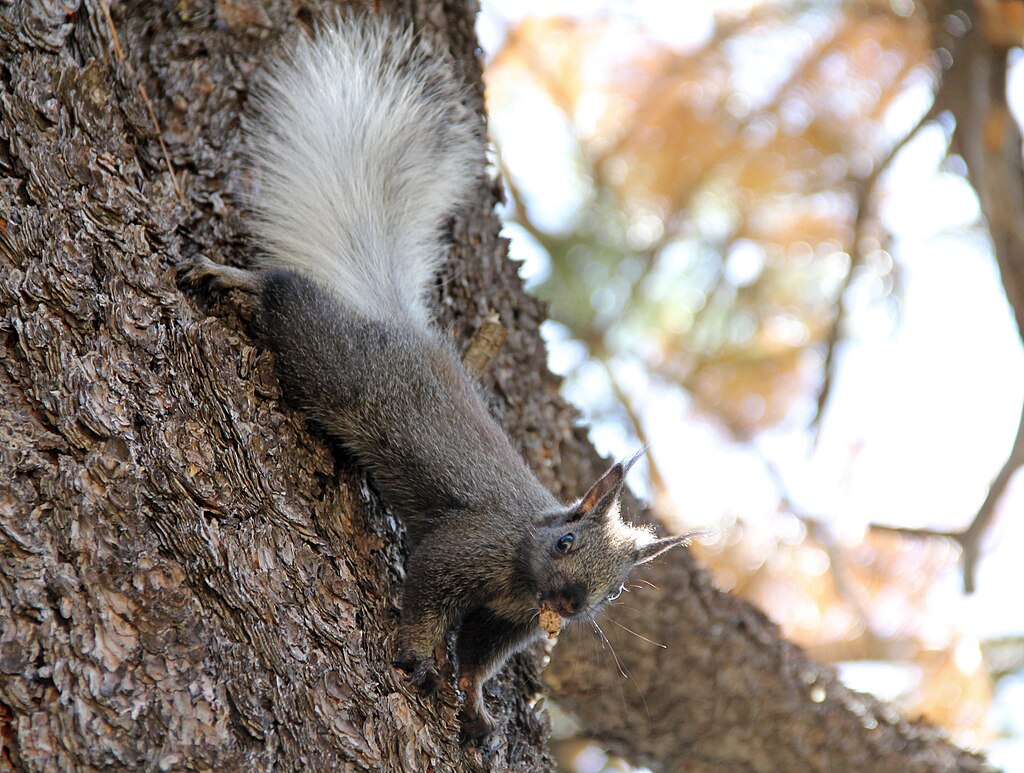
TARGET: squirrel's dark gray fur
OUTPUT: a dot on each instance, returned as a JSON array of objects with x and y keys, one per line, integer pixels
[{"x": 363, "y": 145}]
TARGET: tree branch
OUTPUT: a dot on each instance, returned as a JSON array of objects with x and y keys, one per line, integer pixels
[
  {"x": 865, "y": 188},
  {"x": 970, "y": 539},
  {"x": 988, "y": 138}
]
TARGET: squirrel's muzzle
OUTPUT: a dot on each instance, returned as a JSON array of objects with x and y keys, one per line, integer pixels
[{"x": 569, "y": 600}]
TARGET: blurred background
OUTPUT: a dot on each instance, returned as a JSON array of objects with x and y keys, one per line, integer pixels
[{"x": 767, "y": 258}]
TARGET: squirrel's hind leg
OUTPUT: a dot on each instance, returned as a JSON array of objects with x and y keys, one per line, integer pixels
[{"x": 199, "y": 268}]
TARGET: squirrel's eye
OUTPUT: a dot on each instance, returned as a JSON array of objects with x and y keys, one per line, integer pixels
[
  {"x": 564, "y": 543},
  {"x": 615, "y": 594}
]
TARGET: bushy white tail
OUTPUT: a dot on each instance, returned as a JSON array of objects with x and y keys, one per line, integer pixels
[{"x": 363, "y": 144}]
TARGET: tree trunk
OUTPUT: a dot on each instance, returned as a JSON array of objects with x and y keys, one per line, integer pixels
[{"x": 191, "y": 578}]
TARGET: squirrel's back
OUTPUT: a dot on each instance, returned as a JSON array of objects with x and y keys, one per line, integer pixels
[{"x": 364, "y": 144}]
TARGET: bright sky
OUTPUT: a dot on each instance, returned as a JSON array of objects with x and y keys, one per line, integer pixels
[{"x": 925, "y": 405}]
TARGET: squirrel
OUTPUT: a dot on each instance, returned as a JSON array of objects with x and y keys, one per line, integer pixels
[{"x": 363, "y": 144}]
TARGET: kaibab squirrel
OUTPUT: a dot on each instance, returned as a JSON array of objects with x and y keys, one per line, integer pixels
[{"x": 363, "y": 145}]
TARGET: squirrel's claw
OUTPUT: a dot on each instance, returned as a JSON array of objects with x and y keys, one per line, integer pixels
[{"x": 422, "y": 672}]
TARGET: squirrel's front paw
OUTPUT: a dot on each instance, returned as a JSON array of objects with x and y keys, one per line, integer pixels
[
  {"x": 477, "y": 723},
  {"x": 422, "y": 672}
]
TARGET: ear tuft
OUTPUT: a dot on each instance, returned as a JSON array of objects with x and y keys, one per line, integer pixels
[
  {"x": 628, "y": 464},
  {"x": 651, "y": 550}
]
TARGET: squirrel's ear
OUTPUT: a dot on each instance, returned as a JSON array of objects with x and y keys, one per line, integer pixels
[
  {"x": 652, "y": 550},
  {"x": 603, "y": 495}
]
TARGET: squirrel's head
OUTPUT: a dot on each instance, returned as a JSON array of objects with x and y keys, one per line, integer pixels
[{"x": 583, "y": 553}]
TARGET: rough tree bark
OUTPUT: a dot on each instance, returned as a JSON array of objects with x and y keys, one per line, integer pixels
[{"x": 191, "y": 578}]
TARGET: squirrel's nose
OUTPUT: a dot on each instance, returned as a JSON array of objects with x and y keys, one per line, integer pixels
[{"x": 573, "y": 598}]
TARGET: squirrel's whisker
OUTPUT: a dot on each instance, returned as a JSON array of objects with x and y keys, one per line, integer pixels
[{"x": 637, "y": 635}]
